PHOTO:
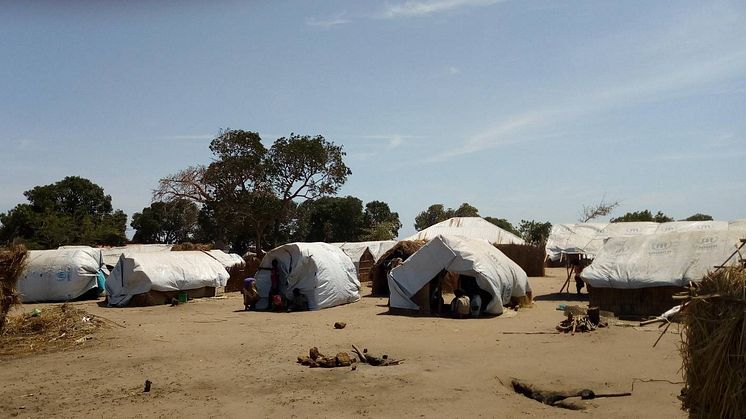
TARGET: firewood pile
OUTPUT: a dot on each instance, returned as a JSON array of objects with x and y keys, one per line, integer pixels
[
  {"x": 581, "y": 322},
  {"x": 316, "y": 359}
]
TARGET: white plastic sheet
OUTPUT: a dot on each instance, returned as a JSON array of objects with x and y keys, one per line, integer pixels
[
  {"x": 321, "y": 271},
  {"x": 138, "y": 273},
  {"x": 112, "y": 254},
  {"x": 588, "y": 238},
  {"x": 494, "y": 272},
  {"x": 61, "y": 274},
  {"x": 470, "y": 227},
  {"x": 667, "y": 259}
]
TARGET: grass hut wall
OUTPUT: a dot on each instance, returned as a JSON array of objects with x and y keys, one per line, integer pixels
[
  {"x": 638, "y": 275},
  {"x": 529, "y": 258},
  {"x": 12, "y": 266},
  {"x": 380, "y": 271},
  {"x": 714, "y": 346}
]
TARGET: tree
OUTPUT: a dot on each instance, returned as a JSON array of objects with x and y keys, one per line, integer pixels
[
  {"x": 250, "y": 189},
  {"x": 601, "y": 209},
  {"x": 333, "y": 219},
  {"x": 535, "y": 232},
  {"x": 699, "y": 217},
  {"x": 503, "y": 224},
  {"x": 380, "y": 223},
  {"x": 71, "y": 211},
  {"x": 432, "y": 215},
  {"x": 644, "y": 215},
  {"x": 166, "y": 222},
  {"x": 466, "y": 210}
]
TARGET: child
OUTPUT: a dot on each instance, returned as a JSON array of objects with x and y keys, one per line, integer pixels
[{"x": 250, "y": 295}]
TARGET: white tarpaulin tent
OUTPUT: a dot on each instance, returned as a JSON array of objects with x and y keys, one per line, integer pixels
[
  {"x": 321, "y": 271},
  {"x": 494, "y": 272},
  {"x": 355, "y": 250},
  {"x": 138, "y": 273},
  {"x": 588, "y": 238},
  {"x": 653, "y": 260},
  {"x": 228, "y": 260},
  {"x": 62, "y": 274},
  {"x": 471, "y": 227},
  {"x": 112, "y": 254}
]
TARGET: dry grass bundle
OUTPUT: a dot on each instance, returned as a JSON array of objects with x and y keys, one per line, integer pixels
[
  {"x": 714, "y": 346},
  {"x": 56, "y": 327},
  {"x": 239, "y": 273},
  {"x": 379, "y": 272},
  {"x": 12, "y": 265},
  {"x": 530, "y": 258},
  {"x": 187, "y": 246}
]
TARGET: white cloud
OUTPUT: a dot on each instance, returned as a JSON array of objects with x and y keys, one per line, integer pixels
[
  {"x": 337, "y": 19},
  {"x": 413, "y": 8},
  {"x": 393, "y": 141},
  {"x": 654, "y": 79}
]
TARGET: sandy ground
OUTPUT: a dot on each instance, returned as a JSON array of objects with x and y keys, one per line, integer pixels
[{"x": 209, "y": 359}]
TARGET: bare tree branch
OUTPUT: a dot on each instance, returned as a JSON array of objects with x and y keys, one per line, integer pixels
[
  {"x": 188, "y": 183},
  {"x": 603, "y": 208}
]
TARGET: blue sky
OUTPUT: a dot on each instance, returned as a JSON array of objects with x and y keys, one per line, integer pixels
[{"x": 525, "y": 109}]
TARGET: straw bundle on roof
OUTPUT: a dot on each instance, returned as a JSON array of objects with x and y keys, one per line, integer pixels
[
  {"x": 12, "y": 265},
  {"x": 188, "y": 246},
  {"x": 379, "y": 272},
  {"x": 714, "y": 346}
]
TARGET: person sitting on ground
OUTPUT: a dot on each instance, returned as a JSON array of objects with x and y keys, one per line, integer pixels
[
  {"x": 299, "y": 301},
  {"x": 460, "y": 304},
  {"x": 250, "y": 294}
]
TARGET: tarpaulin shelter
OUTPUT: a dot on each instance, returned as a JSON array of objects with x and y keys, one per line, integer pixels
[
  {"x": 165, "y": 272},
  {"x": 495, "y": 273},
  {"x": 62, "y": 274},
  {"x": 321, "y": 271}
]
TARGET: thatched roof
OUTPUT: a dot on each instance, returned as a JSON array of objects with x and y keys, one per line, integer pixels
[{"x": 379, "y": 272}]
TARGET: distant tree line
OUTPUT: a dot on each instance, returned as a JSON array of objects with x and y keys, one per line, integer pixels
[{"x": 249, "y": 197}]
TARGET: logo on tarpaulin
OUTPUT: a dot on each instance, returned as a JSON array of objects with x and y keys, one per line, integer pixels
[
  {"x": 660, "y": 247},
  {"x": 707, "y": 242},
  {"x": 621, "y": 249}
]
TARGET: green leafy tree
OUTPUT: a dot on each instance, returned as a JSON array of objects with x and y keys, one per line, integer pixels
[
  {"x": 466, "y": 210},
  {"x": 334, "y": 219},
  {"x": 503, "y": 224},
  {"x": 432, "y": 215},
  {"x": 253, "y": 191},
  {"x": 166, "y": 222},
  {"x": 380, "y": 223},
  {"x": 644, "y": 215},
  {"x": 535, "y": 232},
  {"x": 699, "y": 217},
  {"x": 73, "y": 211}
]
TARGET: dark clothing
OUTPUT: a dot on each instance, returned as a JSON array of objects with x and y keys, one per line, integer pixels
[{"x": 299, "y": 303}]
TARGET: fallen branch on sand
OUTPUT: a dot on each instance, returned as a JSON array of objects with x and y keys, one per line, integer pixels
[
  {"x": 367, "y": 358},
  {"x": 557, "y": 397}
]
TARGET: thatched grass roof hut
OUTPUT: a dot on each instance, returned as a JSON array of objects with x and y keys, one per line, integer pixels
[{"x": 379, "y": 272}]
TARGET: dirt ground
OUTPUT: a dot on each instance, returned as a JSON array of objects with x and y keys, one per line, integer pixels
[{"x": 210, "y": 359}]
